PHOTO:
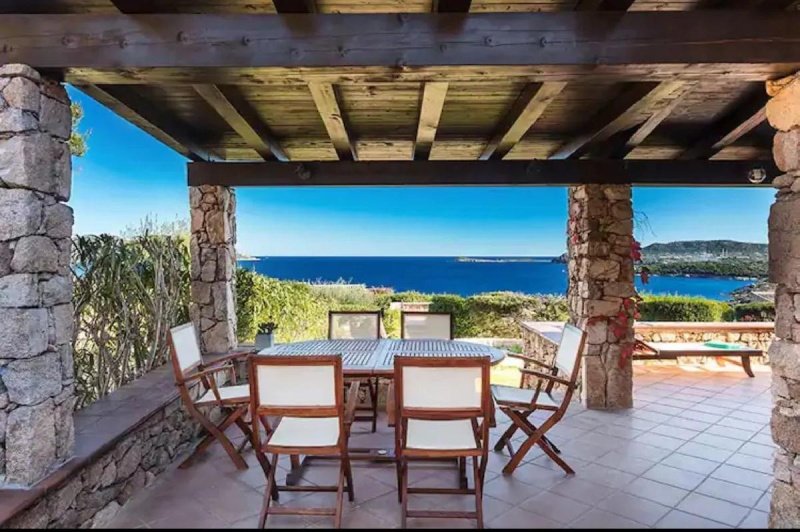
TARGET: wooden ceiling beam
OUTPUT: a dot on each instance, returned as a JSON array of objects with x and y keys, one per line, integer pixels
[
  {"x": 745, "y": 4},
  {"x": 589, "y": 39},
  {"x": 451, "y": 6},
  {"x": 731, "y": 127},
  {"x": 603, "y": 5},
  {"x": 490, "y": 173},
  {"x": 327, "y": 103},
  {"x": 243, "y": 119},
  {"x": 525, "y": 111},
  {"x": 295, "y": 6},
  {"x": 430, "y": 111},
  {"x": 132, "y": 107},
  {"x": 622, "y": 113}
]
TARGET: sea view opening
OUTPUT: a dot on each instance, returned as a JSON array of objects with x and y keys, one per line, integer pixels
[{"x": 517, "y": 349}]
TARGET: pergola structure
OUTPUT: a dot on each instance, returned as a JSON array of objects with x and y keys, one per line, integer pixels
[{"x": 599, "y": 95}]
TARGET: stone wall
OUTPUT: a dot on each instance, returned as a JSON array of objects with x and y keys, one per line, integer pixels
[
  {"x": 92, "y": 495},
  {"x": 539, "y": 347},
  {"x": 213, "y": 249},
  {"x": 783, "y": 113},
  {"x": 600, "y": 268},
  {"x": 36, "y": 371}
]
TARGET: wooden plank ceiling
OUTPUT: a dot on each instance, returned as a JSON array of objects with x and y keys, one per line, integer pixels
[{"x": 471, "y": 117}]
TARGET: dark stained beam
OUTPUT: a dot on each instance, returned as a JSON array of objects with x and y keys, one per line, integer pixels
[
  {"x": 586, "y": 38},
  {"x": 129, "y": 105},
  {"x": 327, "y": 102},
  {"x": 474, "y": 173},
  {"x": 295, "y": 6},
  {"x": 623, "y": 112},
  {"x": 451, "y": 6},
  {"x": 135, "y": 7},
  {"x": 730, "y": 128},
  {"x": 526, "y": 110},
  {"x": 242, "y": 119},
  {"x": 603, "y": 5},
  {"x": 745, "y": 4},
  {"x": 430, "y": 111}
]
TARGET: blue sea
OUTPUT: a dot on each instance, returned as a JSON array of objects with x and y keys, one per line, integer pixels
[{"x": 534, "y": 275}]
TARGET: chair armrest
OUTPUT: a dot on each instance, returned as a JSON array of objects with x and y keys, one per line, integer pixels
[
  {"x": 206, "y": 372},
  {"x": 546, "y": 376},
  {"x": 230, "y": 357},
  {"x": 351, "y": 401},
  {"x": 526, "y": 358}
]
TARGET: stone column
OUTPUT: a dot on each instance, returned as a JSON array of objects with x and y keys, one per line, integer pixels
[
  {"x": 36, "y": 315},
  {"x": 213, "y": 249},
  {"x": 600, "y": 266},
  {"x": 783, "y": 113}
]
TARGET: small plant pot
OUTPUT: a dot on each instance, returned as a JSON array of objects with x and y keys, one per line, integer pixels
[{"x": 265, "y": 340}]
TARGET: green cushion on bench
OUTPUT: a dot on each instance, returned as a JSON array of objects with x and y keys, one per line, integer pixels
[{"x": 722, "y": 345}]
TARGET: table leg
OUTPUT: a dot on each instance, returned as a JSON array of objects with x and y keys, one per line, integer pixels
[{"x": 746, "y": 366}]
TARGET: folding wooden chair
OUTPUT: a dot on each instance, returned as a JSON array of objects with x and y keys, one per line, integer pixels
[
  {"x": 306, "y": 394},
  {"x": 359, "y": 325},
  {"x": 426, "y": 325},
  {"x": 519, "y": 403},
  {"x": 441, "y": 405},
  {"x": 233, "y": 400}
]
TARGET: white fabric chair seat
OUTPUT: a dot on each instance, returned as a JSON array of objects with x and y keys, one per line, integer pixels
[
  {"x": 521, "y": 396},
  {"x": 227, "y": 393},
  {"x": 306, "y": 432},
  {"x": 440, "y": 435}
]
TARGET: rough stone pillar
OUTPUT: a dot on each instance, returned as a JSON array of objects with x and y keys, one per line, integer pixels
[
  {"x": 36, "y": 315},
  {"x": 783, "y": 113},
  {"x": 213, "y": 249},
  {"x": 600, "y": 266}
]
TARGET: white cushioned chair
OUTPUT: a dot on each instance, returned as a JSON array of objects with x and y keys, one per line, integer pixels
[{"x": 440, "y": 405}]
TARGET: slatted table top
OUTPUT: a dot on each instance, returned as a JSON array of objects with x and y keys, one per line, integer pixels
[{"x": 376, "y": 357}]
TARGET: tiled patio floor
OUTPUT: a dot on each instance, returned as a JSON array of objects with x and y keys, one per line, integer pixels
[{"x": 695, "y": 452}]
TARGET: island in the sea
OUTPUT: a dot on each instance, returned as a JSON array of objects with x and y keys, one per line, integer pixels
[
  {"x": 696, "y": 258},
  {"x": 496, "y": 259}
]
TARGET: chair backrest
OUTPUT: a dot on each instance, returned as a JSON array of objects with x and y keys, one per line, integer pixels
[
  {"x": 184, "y": 350},
  {"x": 442, "y": 387},
  {"x": 356, "y": 325},
  {"x": 570, "y": 350},
  {"x": 298, "y": 386},
  {"x": 426, "y": 325}
]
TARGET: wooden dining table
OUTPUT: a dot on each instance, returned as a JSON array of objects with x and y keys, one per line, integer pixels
[{"x": 375, "y": 358}]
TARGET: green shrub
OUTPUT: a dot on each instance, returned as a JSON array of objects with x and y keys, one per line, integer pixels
[
  {"x": 681, "y": 308},
  {"x": 127, "y": 294},
  {"x": 300, "y": 314},
  {"x": 410, "y": 296},
  {"x": 753, "y": 311}
]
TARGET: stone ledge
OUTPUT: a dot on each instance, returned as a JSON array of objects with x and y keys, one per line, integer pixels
[{"x": 99, "y": 429}]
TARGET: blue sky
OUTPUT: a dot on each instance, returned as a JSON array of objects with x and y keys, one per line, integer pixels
[{"x": 128, "y": 175}]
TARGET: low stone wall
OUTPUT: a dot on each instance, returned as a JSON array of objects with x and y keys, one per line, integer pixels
[
  {"x": 89, "y": 491},
  {"x": 540, "y": 339},
  {"x": 755, "y": 335}
]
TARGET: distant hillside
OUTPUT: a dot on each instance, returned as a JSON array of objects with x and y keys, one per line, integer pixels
[{"x": 705, "y": 249}]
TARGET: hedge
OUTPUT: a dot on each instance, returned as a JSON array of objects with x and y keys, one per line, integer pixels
[
  {"x": 685, "y": 308},
  {"x": 301, "y": 310}
]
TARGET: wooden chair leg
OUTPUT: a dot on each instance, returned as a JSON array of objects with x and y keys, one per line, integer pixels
[
  {"x": 262, "y": 520},
  {"x": 337, "y": 516},
  {"x": 349, "y": 476},
  {"x": 404, "y": 493},
  {"x": 505, "y": 438},
  {"x": 478, "y": 491},
  {"x": 217, "y": 432},
  {"x": 373, "y": 397},
  {"x": 462, "y": 473},
  {"x": 522, "y": 422},
  {"x": 399, "y": 466},
  {"x": 267, "y": 469},
  {"x": 549, "y": 451}
]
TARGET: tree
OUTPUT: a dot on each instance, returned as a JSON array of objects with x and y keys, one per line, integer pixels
[{"x": 77, "y": 139}]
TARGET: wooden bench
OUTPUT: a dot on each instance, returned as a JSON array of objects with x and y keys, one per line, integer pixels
[{"x": 646, "y": 350}]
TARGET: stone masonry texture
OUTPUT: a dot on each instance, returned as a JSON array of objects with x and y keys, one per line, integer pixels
[
  {"x": 600, "y": 269},
  {"x": 213, "y": 250},
  {"x": 783, "y": 113},
  {"x": 36, "y": 313}
]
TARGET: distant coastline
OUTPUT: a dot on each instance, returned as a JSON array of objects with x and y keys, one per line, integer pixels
[{"x": 497, "y": 260}]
